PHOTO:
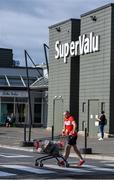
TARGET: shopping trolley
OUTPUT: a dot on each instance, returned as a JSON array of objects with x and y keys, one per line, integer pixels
[{"x": 51, "y": 149}]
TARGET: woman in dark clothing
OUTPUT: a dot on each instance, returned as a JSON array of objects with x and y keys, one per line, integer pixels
[{"x": 102, "y": 121}]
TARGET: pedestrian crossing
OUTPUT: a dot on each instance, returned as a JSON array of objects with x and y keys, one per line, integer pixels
[
  {"x": 12, "y": 155},
  {"x": 8, "y": 170},
  {"x": 5, "y": 174},
  {"x": 70, "y": 169},
  {"x": 86, "y": 168},
  {"x": 28, "y": 169}
]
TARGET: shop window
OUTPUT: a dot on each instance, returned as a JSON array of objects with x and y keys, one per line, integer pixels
[
  {"x": 6, "y": 108},
  {"x": 83, "y": 106},
  {"x": 20, "y": 112},
  {"x": 37, "y": 113}
]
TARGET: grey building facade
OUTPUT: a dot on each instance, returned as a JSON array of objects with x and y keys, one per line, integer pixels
[
  {"x": 81, "y": 76},
  {"x": 96, "y": 71}
]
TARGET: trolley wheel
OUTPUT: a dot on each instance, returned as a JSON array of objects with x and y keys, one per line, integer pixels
[
  {"x": 67, "y": 165},
  {"x": 41, "y": 165},
  {"x": 36, "y": 163}
]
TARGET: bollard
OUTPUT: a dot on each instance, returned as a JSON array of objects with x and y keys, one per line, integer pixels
[
  {"x": 24, "y": 132},
  {"x": 52, "y": 137},
  {"x": 85, "y": 150},
  {"x": 85, "y": 138},
  {"x": 26, "y": 143}
]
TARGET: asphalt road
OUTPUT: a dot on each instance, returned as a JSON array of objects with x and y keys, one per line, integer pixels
[{"x": 16, "y": 164}]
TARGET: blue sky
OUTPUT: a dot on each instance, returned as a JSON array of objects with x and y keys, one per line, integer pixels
[{"x": 24, "y": 23}]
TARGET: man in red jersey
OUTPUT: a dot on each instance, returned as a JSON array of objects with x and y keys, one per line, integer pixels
[{"x": 70, "y": 130}]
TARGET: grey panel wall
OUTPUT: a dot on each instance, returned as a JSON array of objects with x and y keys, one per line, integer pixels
[
  {"x": 60, "y": 83},
  {"x": 95, "y": 67}
]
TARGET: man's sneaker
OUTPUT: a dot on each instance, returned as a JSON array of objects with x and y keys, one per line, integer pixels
[
  {"x": 81, "y": 162},
  {"x": 61, "y": 163},
  {"x": 100, "y": 139}
]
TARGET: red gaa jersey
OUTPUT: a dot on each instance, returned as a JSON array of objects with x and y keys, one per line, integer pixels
[{"x": 69, "y": 123}]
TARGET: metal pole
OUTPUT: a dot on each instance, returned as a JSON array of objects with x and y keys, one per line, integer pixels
[
  {"x": 29, "y": 98},
  {"x": 52, "y": 137},
  {"x": 86, "y": 150},
  {"x": 45, "y": 46},
  {"x": 24, "y": 132},
  {"x": 85, "y": 138},
  {"x": 53, "y": 119}
]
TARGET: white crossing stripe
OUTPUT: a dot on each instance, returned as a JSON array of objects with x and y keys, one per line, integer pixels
[
  {"x": 4, "y": 174},
  {"x": 28, "y": 169},
  {"x": 100, "y": 168},
  {"x": 76, "y": 169},
  {"x": 88, "y": 166},
  {"x": 108, "y": 161},
  {"x": 11, "y": 155},
  {"x": 110, "y": 165},
  {"x": 104, "y": 169}
]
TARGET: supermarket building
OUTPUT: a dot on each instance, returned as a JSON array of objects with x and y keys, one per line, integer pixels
[{"x": 81, "y": 75}]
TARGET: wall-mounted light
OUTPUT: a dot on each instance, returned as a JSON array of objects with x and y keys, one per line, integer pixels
[
  {"x": 93, "y": 18},
  {"x": 58, "y": 29}
]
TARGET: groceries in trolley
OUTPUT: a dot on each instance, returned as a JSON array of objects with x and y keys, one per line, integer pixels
[{"x": 48, "y": 147}]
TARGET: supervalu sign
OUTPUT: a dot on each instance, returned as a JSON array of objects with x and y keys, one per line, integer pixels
[{"x": 84, "y": 45}]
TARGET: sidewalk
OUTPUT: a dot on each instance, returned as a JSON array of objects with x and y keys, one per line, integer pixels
[{"x": 13, "y": 138}]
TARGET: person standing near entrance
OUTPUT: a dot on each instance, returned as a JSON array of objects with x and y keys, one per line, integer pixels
[
  {"x": 8, "y": 120},
  {"x": 69, "y": 130},
  {"x": 102, "y": 123}
]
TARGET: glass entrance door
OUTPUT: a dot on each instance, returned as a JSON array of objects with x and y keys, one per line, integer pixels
[
  {"x": 3, "y": 113},
  {"x": 20, "y": 111},
  {"x": 93, "y": 113},
  {"x": 6, "y": 108}
]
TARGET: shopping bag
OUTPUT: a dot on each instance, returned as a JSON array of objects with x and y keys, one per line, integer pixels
[{"x": 96, "y": 123}]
